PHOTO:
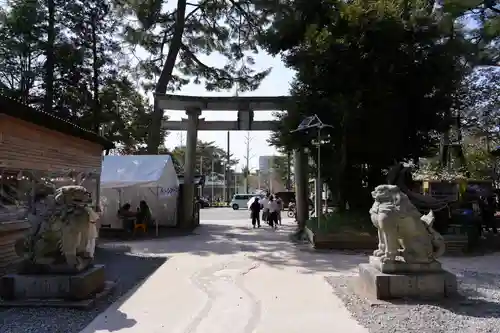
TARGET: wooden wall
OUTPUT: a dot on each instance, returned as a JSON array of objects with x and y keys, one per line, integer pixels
[
  {"x": 27, "y": 146},
  {"x": 10, "y": 232}
]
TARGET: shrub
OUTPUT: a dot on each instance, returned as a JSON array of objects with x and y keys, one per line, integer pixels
[{"x": 357, "y": 222}]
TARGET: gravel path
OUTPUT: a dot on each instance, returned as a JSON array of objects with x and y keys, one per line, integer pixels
[
  {"x": 127, "y": 269},
  {"x": 478, "y": 311}
]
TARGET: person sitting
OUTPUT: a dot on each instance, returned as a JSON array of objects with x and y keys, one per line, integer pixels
[
  {"x": 143, "y": 213},
  {"x": 128, "y": 217}
]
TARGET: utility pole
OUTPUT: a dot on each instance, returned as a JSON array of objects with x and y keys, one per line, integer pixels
[
  {"x": 288, "y": 170},
  {"x": 226, "y": 170},
  {"x": 248, "y": 140},
  {"x": 212, "y": 175},
  {"x": 235, "y": 183},
  {"x": 181, "y": 137}
]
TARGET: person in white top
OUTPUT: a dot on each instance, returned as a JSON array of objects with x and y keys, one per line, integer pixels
[
  {"x": 264, "y": 202},
  {"x": 280, "y": 204},
  {"x": 274, "y": 208}
]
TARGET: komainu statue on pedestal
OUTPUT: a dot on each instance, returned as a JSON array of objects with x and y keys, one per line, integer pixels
[
  {"x": 402, "y": 230},
  {"x": 60, "y": 236}
]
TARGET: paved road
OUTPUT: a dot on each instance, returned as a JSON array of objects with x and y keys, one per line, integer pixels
[
  {"x": 224, "y": 214},
  {"x": 232, "y": 278}
]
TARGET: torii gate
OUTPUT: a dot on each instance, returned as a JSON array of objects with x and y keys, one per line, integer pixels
[{"x": 194, "y": 105}]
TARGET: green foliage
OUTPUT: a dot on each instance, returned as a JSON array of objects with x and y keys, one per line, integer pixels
[
  {"x": 226, "y": 27},
  {"x": 383, "y": 75},
  {"x": 480, "y": 101},
  {"x": 207, "y": 155},
  {"x": 346, "y": 222},
  {"x": 90, "y": 75},
  {"x": 281, "y": 168},
  {"x": 480, "y": 163}
]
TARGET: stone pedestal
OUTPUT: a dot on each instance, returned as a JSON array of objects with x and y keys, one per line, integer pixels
[
  {"x": 400, "y": 280},
  {"x": 78, "y": 290}
]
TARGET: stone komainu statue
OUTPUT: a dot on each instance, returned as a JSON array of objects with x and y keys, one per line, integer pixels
[
  {"x": 402, "y": 230},
  {"x": 59, "y": 238}
]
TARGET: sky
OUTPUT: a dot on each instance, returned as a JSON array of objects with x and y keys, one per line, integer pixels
[{"x": 277, "y": 83}]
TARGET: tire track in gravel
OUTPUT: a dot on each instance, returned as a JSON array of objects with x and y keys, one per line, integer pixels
[{"x": 205, "y": 281}]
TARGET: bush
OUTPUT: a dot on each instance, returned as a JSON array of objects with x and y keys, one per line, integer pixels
[{"x": 356, "y": 222}]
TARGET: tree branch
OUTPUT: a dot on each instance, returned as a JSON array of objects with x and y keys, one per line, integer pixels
[
  {"x": 207, "y": 68},
  {"x": 245, "y": 14},
  {"x": 191, "y": 13}
]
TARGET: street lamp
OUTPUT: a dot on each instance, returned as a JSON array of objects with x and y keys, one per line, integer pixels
[
  {"x": 213, "y": 174},
  {"x": 313, "y": 122}
]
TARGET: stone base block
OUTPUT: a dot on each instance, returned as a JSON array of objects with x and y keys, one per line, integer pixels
[
  {"x": 423, "y": 285},
  {"x": 403, "y": 267},
  {"x": 81, "y": 286},
  {"x": 60, "y": 303}
]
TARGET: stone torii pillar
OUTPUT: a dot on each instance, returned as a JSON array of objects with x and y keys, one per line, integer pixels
[
  {"x": 301, "y": 191},
  {"x": 189, "y": 166}
]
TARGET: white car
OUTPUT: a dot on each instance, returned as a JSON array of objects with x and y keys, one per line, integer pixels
[{"x": 239, "y": 200}]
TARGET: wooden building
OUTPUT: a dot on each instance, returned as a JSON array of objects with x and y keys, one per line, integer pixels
[{"x": 39, "y": 151}]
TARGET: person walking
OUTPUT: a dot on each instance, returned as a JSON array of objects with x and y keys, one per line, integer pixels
[
  {"x": 255, "y": 212},
  {"x": 273, "y": 213},
  {"x": 264, "y": 202},
  {"x": 280, "y": 208}
]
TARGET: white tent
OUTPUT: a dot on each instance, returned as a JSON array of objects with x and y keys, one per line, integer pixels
[{"x": 132, "y": 178}]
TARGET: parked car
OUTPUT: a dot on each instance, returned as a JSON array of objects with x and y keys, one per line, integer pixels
[{"x": 240, "y": 200}]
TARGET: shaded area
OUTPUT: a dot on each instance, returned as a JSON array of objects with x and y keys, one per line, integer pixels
[
  {"x": 262, "y": 245},
  {"x": 50, "y": 320},
  {"x": 163, "y": 232}
]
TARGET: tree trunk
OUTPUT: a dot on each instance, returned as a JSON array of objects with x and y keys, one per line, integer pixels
[
  {"x": 154, "y": 139},
  {"x": 288, "y": 170},
  {"x": 96, "y": 112},
  {"x": 49, "y": 54},
  {"x": 342, "y": 167}
]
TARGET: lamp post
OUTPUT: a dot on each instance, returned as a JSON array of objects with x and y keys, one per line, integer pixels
[
  {"x": 313, "y": 122},
  {"x": 212, "y": 176}
]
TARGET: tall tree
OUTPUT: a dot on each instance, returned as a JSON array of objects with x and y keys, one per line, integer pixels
[
  {"x": 92, "y": 81},
  {"x": 228, "y": 28},
  {"x": 50, "y": 56},
  {"x": 207, "y": 154},
  {"x": 281, "y": 168},
  {"x": 356, "y": 62},
  {"x": 21, "y": 48}
]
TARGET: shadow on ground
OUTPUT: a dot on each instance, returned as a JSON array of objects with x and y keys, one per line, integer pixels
[
  {"x": 128, "y": 270},
  {"x": 263, "y": 245}
]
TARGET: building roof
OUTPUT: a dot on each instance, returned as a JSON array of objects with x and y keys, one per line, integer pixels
[
  {"x": 138, "y": 170},
  {"x": 19, "y": 110}
]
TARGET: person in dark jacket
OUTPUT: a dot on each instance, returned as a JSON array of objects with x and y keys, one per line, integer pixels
[
  {"x": 255, "y": 208},
  {"x": 143, "y": 213}
]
